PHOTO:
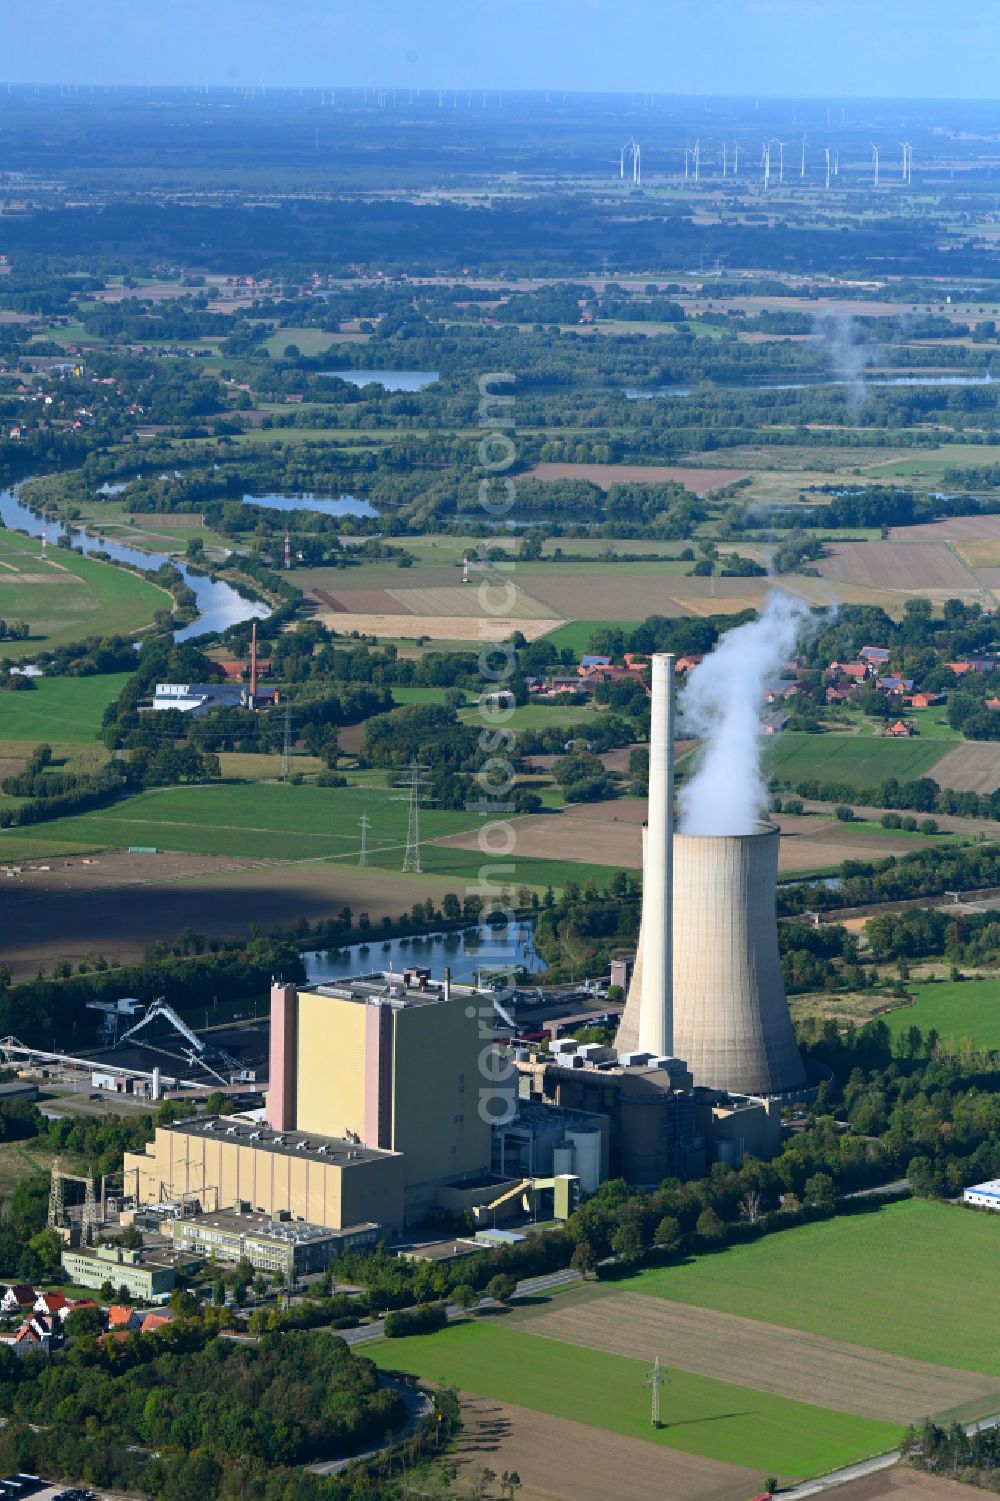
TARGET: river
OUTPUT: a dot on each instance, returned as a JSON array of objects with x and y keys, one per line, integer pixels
[{"x": 219, "y": 604}]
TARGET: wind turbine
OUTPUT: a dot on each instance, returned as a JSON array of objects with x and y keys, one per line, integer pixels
[
  {"x": 697, "y": 161},
  {"x": 907, "y": 161},
  {"x": 636, "y": 167},
  {"x": 875, "y": 163},
  {"x": 826, "y": 154},
  {"x": 766, "y": 164},
  {"x": 802, "y": 167},
  {"x": 781, "y": 159},
  {"x": 736, "y": 158}
]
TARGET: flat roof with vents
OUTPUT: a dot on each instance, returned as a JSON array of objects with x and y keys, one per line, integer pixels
[{"x": 262, "y": 1138}]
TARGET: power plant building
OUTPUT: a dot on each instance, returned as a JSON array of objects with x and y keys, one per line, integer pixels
[{"x": 707, "y": 983}]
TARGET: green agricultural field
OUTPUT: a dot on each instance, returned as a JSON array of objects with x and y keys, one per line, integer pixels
[
  {"x": 715, "y": 1419},
  {"x": 273, "y": 820},
  {"x": 67, "y": 710},
  {"x": 311, "y": 341},
  {"x": 66, "y": 596},
  {"x": 863, "y": 760},
  {"x": 576, "y": 634},
  {"x": 913, "y": 1279},
  {"x": 955, "y": 1010},
  {"x": 465, "y": 866},
  {"x": 538, "y": 716}
]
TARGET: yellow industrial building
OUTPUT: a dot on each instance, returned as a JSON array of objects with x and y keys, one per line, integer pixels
[{"x": 373, "y": 1113}]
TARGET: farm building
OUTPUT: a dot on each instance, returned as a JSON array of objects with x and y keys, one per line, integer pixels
[
  {"x": 197, "y": 698},
  {"x": 984, "y": 1195}
]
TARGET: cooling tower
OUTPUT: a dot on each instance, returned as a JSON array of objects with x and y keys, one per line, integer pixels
[{"x": 707, "y": 983}]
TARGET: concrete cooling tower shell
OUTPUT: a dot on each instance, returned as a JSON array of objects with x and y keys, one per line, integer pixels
[{"x": 731, "y": 1020}]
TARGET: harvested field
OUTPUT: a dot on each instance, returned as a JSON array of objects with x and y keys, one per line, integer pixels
[
  {"x": 598, "y": 595},
  {"x": 559, "y": 1460},
  {"x": 914, "y": 567},
  {"x": 363, "y": 601},
  {"x": 609, "y": 833},
  {"x": 902, "y": 1484},
  {"x": 437, "y": 627},
  {"x": 70, "y": 912},
  {"x": 456, "y": 599},
  {"x": 950, "y": 529},
  {"x": 969, "y": 767},
  {"x": 554, "y": 836},
  {"x": 698, "y": 481},
  {"x": 808, "y": 1367}
]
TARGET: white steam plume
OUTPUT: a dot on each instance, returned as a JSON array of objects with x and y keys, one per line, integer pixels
[
  {"x": 722, "y": 705},
  {"x": 848, "y": 355}
]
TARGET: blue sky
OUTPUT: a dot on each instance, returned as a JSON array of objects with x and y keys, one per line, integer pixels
[{"x": 829, "y": 49}]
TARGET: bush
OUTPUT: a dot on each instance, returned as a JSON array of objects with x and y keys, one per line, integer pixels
[
  {"x": 331, "y": 779},
  {"x": 845, "y": 814},
  {"x": 423, "y": 1319}
]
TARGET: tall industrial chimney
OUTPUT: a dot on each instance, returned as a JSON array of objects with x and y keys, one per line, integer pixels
[
  {"x": 253, "y": 665},
  {"x": 656, "y": 1020}
]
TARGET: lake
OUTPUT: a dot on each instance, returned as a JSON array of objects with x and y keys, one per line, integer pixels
[
  {"x": 463, "y": 952},
  {"x": 219, "y": 605},
  {"x": 389, "y": 380},
  {"x": 340, "y": 505}
]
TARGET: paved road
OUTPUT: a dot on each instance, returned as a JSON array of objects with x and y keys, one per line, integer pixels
[
  {"x": 526, "y": 1289},
  {"x": 417, "y": 1405},
  {"x": 883, "y": 1190}
]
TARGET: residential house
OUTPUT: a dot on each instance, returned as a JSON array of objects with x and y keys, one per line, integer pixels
[
  {"x": 687, "y": 664},
  {"x": 858, "y": 672},
  {"x": 894, "y": 685},
  {"x": 773, "y": 724},
  {"x": 837, "y": 695},
  {"x": 878, "y": 656},
  {"x": 899, "y": 731},
  {"x": 16, "y": 1296},
  {"x": 588, "y": 664},
  {"x": 925, "y": 700}
]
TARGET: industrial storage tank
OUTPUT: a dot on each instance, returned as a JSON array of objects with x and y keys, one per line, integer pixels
[{"x": 731, "y": 1019}]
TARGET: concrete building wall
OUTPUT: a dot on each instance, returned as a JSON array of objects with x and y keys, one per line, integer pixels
[
  {"x": 222, "y": 1173},
  {"x": 330, "y": 1065},
  {"x": 436, "y": 1120}
]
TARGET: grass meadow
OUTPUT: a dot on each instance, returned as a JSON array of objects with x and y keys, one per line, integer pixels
[
  {"x": 715, "y": 1419},
  {"x": 955, "y": 1009},
  {"x": 910, "y": 1279}
]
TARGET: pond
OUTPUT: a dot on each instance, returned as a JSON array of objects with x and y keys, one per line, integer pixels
[
  {"x": 389, "y": 380},
  {"x": 219, "y": 604},
  {"x": 464, "y": 952},
  {"x": 340, "y": 505}
]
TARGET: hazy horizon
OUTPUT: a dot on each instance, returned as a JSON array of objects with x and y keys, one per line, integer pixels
[{"x": 785, "y": 49}]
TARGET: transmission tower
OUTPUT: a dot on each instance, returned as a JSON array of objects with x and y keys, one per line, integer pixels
[
  {"x": 57, "y": 1202},
  {"x": 654, "y": 1381},
  {"x": 414, "y": 781},
  {"x": 365, "y": 824},
  {"x": 286, "y": 752}
]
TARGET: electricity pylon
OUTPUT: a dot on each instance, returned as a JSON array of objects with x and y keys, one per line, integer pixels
[
  {"x": 414, "y": 781},
  {"x": 654, "y": 1381}
]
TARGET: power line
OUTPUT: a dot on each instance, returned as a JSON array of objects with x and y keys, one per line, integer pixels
[{"x": 286, "y": 752}]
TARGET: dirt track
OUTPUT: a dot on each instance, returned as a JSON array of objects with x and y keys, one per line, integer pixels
[
  {"x": 789, "y": 1362},
  {"x": 559, "y": 1460},
  {"x": 902, "y": 1484}
]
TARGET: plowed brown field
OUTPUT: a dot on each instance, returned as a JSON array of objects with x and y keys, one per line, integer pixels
[
  {"x": 559, "y": 1460},
  {"x": 767, "y": 1357}
]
